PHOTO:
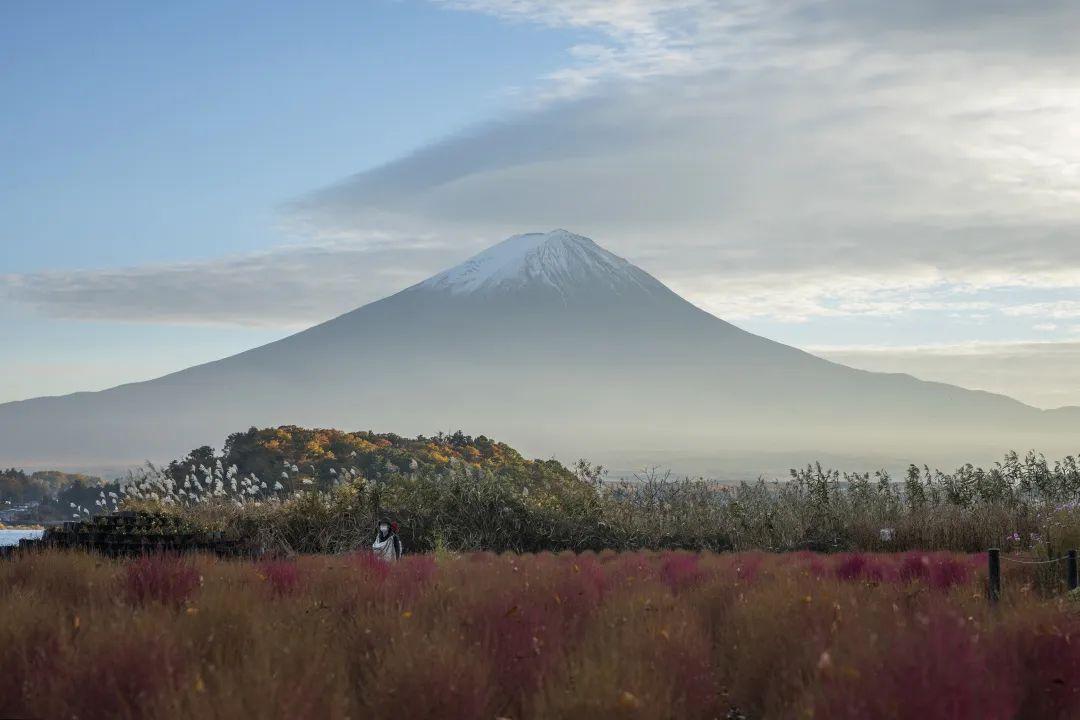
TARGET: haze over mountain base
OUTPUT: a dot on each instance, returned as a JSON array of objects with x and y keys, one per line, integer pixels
[{"x": 556, "y": 346}]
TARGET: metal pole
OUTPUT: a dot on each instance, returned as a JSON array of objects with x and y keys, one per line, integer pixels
[
  {"x": 1073, "y": 581},
  {"x": 994, "y": 589}
]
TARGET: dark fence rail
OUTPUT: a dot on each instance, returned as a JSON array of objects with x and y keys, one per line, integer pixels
[{"x": 994, "y": 558}]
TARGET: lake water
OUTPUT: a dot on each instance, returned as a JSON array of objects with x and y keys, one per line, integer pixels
[{"x": 12, "y": 537}]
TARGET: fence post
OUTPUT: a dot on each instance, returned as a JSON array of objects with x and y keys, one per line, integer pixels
[
  {"x": 1073, "y": 580},
  {"x": 994, "y": 589}
]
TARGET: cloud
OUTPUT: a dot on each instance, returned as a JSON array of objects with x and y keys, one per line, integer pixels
[
  {"x": 287, "y": 287},
  {"x": 1058, "y": 310},
  {"x": 794, "y": 160},
  {"x": 774, "y": 140}
]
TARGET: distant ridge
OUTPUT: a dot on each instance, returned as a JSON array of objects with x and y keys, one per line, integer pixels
[{"x": 560, "y": 347}]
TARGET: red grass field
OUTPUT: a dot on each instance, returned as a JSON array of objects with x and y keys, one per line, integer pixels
[{"x": 483, "y": 636}]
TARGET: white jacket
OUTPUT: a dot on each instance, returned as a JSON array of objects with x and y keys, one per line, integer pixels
[{"x": 388, "y": 549}]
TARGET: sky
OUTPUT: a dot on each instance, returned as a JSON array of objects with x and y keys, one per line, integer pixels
[{"x": 895, "y": 186}]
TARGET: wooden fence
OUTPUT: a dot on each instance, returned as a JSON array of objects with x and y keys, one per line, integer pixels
[{"x": 993, "y": 557}]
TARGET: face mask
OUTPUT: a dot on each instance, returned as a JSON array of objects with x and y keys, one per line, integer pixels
[{"x": 384, "y": 529}]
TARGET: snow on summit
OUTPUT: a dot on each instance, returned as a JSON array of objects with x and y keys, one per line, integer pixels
[{"x": 558, "y": 259}]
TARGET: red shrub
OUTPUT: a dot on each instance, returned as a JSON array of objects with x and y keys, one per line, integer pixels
[
  {"x": 579, "y": 586},
  {"x": 523, "y": 637},
  {"x": 680, "y": 571},
  {"x": 629, "y": 567},
  {"x": 851, "y": 567},
  {"x": 863, "y": 567},
  {"x": 410, "y": 576},
  {"x": 748, "y": 566},
  {"x": 118, "y": 678},
  {"x": 936, "y": 667},
  {"x": 940, "y": 571},
  {"x": 816, "y": 567},
  {"x": 371, "y": 568},
  {"x": 167, "y": 579},
  {"x": 914, "y": 566},
  {"x": 948, "y": 572},
  {"x": 578, "y": 636},
  {"x": 283, "y": 576},
  {"x": 35, "y": 654},
  {"x": 686, "y": 660},
  {"x": 533, "y": 609},
  {"x": 1049, "y": 662},
  {"x": 427, "y": 680}
]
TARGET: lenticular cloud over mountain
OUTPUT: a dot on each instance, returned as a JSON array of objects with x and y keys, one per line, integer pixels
[{"x": 552, "y": 343}]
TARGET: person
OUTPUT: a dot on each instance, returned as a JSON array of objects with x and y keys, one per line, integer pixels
[{"x": 387, "y": 545}]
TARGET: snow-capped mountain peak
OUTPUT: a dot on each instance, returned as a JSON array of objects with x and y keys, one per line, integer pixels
[{"x": 558, "y": 260}]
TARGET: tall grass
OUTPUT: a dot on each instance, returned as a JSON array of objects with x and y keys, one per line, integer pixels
[
  {"x": 1020, "y": 505},
  {"x": 659, "y": 635}
]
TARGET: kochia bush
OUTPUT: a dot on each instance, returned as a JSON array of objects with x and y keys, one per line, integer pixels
[{"x": 666, "y": 635}]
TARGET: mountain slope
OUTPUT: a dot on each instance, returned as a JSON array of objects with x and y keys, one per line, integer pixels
[{"x": 556, "y": 345}]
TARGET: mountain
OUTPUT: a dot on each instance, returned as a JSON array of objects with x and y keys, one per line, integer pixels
[{"x": 553, "y": 344}]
